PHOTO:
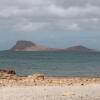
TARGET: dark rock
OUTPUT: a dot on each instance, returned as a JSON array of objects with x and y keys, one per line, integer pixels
[
  {"x": 3, "y": 71},
  {"x": 82, "y": 84}
]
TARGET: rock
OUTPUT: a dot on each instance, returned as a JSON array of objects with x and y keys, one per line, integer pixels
[
  {"x": 7, "y": 74},
  {"x": 3, "y": 71},
  {"x": 82, "y": 84},
  {"x": 38, "y": 76}
]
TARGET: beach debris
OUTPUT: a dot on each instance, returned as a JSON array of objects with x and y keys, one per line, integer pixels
[{"x": 82, "y": 84}]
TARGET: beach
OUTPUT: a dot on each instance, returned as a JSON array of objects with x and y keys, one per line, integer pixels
[
  {"x": 49, "y": 50},
  {"x": 76, "y": 92},
  {"x": 41, "y": 87}
]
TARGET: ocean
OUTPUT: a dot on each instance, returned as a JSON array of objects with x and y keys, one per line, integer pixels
[{"x": 58, "y": 63}]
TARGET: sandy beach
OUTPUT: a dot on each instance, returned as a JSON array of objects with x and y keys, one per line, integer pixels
[
  {"x": 40, "y": 87},
  {"x": 75, "y": 92}
]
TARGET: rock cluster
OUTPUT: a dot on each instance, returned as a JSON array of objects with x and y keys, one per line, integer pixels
[
  {"x": 7, "y": 71},
  {"x": 7, "y": 74}
]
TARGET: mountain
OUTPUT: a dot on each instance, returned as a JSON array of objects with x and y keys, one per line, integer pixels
[
  {"x": 30, "y": 46},
  {"x": 79, "y": 48}
]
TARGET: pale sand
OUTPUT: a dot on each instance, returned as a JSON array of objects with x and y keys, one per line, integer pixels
[
  {"x": 40, "y": 87},
  {"x": 67, "y": 92}
]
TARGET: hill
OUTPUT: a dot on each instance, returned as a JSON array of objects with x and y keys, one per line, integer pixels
[
  {"x": 28, "y": 46},
  {"x": 79, "y": 48}
]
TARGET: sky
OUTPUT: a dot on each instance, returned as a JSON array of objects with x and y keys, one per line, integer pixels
[{"x": 54, "y": 23}]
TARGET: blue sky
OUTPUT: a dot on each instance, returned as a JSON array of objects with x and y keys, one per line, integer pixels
[{"x": 54, "y": 23}]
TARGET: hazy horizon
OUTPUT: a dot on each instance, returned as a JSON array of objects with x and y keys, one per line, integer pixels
[{"x": 53, "y": 23}]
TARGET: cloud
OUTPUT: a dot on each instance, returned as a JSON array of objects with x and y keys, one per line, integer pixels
[
  {"x": 29, "y": 27},
  {"x": 36, "y": 13},
  {"x": 73, "y": 27}
]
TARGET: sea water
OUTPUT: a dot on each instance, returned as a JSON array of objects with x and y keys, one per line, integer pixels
[{"x": 52, "y": 63}]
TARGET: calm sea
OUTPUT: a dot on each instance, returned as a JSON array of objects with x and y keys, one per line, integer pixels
[{"x": 52, "y": 63}]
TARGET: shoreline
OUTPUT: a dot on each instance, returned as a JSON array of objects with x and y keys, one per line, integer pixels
[
  {"x": 41, "y": 87},
  {"x": 41, "y": 80},
  {"x": 9, "y": 78}
]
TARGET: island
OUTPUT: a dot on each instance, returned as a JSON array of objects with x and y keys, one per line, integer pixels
[{"x": 24, "y": 45}]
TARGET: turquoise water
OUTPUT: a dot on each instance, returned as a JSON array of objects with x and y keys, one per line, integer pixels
[{"x": 52, "y": 63}]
